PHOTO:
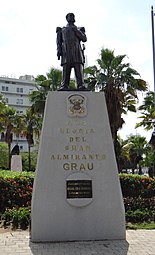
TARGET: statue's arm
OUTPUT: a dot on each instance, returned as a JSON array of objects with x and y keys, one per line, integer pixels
[
  {"x": 59, "y": 42},
  {"x": 80, "y": 33}
]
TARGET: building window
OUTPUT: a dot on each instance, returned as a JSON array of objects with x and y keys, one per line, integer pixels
[
  {"x": 4, "y": 88},
  {"x": 19, "y": 101},
  {"x": 19, "y": 112},
  {"x": 20, "y": 90}
]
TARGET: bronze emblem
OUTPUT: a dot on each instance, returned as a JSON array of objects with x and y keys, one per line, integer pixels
[{"x": 76, "y": 105}]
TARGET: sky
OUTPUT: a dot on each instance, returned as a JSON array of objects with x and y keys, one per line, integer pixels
[{"x": 28, "y": 36}]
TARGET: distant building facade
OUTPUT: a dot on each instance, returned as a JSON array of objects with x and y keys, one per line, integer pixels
[{"x": 16, "y": 93}]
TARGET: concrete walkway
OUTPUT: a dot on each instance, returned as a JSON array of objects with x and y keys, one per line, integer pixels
[{"x": 138, "y": 242}]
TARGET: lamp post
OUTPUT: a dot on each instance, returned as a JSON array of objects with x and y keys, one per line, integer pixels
[
  {"x": 153, "y": 47},
  {"x": 152, "y": 140}
]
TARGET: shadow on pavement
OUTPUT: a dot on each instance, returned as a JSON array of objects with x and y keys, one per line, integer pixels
[{"x": 112, "y": 247}]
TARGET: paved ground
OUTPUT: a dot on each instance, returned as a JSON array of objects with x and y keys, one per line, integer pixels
[{"x": 139, "y": 242}]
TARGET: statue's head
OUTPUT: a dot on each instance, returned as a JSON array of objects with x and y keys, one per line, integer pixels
[{"x": 70, "y": 17}]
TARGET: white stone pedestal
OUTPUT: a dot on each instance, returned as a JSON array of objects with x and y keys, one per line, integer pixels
[
  {"x": 16, "y": 163},
  {"x": 76, "y": 193}
]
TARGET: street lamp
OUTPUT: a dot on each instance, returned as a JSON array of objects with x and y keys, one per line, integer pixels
[
  {"x": 152, "y": 140},
  {"x": 153, "y": 47}
]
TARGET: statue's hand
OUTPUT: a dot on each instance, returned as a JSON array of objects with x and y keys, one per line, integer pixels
[
  {"x": 74, "y": 28},
  {"x": 82, "y": 29},
  {"x": 59, "y": 54}
]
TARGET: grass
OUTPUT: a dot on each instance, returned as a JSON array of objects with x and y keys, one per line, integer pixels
[{"x": 144, "y": 225}]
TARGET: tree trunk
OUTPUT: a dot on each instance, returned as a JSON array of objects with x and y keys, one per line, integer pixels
[
  {"x": 9, "y": 156},
  {"x": 29, "y": 155},
  {"x": 140, "y": 170}
]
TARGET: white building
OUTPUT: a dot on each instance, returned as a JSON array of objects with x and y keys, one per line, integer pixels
[{"x": 16, "y": 93}]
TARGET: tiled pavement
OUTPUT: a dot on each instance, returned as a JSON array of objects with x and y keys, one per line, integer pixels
[{"x": 138, "y": 242}]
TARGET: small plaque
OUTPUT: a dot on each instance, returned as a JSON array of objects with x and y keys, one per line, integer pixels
[{"x": 79, "y": 189}]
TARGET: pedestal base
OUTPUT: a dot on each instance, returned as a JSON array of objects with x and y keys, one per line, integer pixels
[{"x": 76, "y": 193}]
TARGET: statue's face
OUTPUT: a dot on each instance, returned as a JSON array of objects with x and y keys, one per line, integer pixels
[{"x": 70, "y": 17}]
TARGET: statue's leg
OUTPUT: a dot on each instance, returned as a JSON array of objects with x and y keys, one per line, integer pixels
[
  {"x": 66, "y": 76},
  {"x": 78, "y": 68}
]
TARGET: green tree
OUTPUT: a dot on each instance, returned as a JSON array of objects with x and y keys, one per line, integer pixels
[
  {"x": 147, "y": 111},
  {"x": 137, "y": 150},
  {"x": 18, "y": 125},
  {"x": 120, "y": 84},
  {"x": 2, "y": 108},
  {"x": 122, "y": 155},
  {"x": 32, "y": 128},
  {"x": 3, "y": 156},
  {"x": 149, "y": 156},
  {"x": 7, "y": 122},
  {"x": 25, "y": 161},
  {"x": 44, "y": 84}
]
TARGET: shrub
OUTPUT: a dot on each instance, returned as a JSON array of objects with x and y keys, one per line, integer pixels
[
  {"x": 15, "y": 192},
  {"x": 17, "y": 218},
  {"x": 25, "y": 161},
  {"x": 139, "y": 198},
  {"x": 136, "y": 185},
  {"x": 3, "y": 156},
  {"x": 139, "y": 215},
  {"x": 134, "y": 203}
]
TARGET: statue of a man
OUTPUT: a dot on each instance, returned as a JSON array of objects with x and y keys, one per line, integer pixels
[{"x": 70, "y": 51}]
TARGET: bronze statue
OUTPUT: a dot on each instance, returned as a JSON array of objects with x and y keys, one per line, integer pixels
[{"x": 71, "y": 52}]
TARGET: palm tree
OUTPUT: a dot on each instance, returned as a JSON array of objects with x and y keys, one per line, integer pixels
[
  {"x": 32, "y": 127},
  {"x": 147, "y": 117},
  {"x": 119, "y": 84},
  {"x": 44, "y": 84},
  {"x": 147, "y": 110},
  {"x": 2, "y": 103},
  {"x": 2, "y": 108},
  {"x": 149, "y": 160},
  {"x": 122, "y": 155},
  {"x": 18, "y": 125},
  {"x": 7, "y": 122},
  {"x": 137, "y": 149}
]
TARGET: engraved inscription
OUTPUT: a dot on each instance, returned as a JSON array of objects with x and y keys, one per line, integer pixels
[{"x": 79, "y": 189}]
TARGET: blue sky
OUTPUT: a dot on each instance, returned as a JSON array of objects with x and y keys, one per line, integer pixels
[{"x": 28, "y": 33}]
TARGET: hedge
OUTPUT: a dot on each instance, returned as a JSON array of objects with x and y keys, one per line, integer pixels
[
  {"x": 137, "y": 185},
  {"x": 138, "y": 193},
  {"x": 139, "y": 216},
  {"x": 15, "y": 192}
]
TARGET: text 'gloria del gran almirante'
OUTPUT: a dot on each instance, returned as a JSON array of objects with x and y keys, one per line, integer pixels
[{"x": 77, "y": 150}]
